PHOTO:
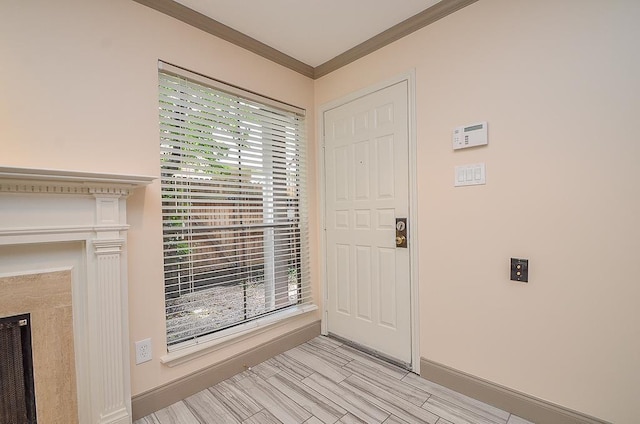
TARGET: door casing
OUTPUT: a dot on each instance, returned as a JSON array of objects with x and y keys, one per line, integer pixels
[{"x": 413, "y": 204}]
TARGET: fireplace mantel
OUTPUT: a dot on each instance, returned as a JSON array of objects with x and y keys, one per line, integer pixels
[
  {"x": 29, "y": 180},
  {"x": 43, "y": 207}
]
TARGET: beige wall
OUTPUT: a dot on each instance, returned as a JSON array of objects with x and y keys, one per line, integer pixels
[
  {"x": 78, "y": 90},
  {"x": 559, "y": 84}
]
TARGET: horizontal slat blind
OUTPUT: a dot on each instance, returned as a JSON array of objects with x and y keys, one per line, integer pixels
[{"x": 234, "y": 212}]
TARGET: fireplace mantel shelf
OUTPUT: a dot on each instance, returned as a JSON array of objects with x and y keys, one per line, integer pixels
[{"x": 30, "y": 180}]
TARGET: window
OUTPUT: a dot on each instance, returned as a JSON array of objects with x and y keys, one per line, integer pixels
[{"x": 234, "y": 207}]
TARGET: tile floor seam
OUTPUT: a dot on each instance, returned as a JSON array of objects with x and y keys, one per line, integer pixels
[{"x": 321, "y": 379}]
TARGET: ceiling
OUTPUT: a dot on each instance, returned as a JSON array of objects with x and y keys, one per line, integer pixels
[{"x": 311, "y": 31}]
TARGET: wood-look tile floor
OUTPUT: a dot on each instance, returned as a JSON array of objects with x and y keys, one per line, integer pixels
[{"x": 325, "y": 381}]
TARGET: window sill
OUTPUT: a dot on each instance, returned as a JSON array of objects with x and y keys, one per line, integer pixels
[{"x": 188, "y": 351}]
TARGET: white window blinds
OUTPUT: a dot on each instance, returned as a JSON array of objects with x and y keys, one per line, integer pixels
[{"x": 234, "y": 208}]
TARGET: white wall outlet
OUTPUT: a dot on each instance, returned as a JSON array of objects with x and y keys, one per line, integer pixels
[{"x": 144, "y": 352}]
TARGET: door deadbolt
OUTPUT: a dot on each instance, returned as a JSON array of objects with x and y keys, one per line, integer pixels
[{"x": 401, "y": 232}]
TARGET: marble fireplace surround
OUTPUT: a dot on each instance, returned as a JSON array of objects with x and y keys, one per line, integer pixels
[
  {"x": 52, "y": 220},
  {"x": 46, "y": 298}
]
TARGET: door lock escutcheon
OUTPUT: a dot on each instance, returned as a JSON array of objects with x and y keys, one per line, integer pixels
[{"x": 401, "y": 232}]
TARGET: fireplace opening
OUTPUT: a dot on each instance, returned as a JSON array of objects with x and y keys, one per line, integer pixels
[{"x": 17, "y": 394}]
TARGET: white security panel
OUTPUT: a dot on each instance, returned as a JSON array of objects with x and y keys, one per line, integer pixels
[{"x": 470, "y": 136}]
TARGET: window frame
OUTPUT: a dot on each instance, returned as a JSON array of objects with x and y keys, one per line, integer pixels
[{"x": 305, "y": 301}]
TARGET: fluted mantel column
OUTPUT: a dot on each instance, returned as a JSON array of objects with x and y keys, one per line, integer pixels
[{"x": 107, "y": 300}]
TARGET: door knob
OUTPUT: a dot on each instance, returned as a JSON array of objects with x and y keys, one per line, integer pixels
[{"x": 401, "y": 241}]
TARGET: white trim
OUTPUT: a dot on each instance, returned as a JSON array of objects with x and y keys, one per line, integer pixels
[
  {"x": 24, "y": 272},
  {"x": 53, "y": 181},
  {"x": 187, "y": 351},
  {"x": 61, "y": 230},
  {"x": 413, "y": 225},
  {"x": 410, "y": 77},
  {"x": 322, "y": 275}
]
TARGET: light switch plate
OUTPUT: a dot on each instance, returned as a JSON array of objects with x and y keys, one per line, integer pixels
[{"x": 466, "y": 175}]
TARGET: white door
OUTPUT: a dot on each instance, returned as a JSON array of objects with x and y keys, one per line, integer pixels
[{"x": 367, "y": 188}]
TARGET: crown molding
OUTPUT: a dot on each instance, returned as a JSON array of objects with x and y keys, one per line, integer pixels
[
  {"x": 220, "y": 30},
  {"x": 396, "y": 32}
]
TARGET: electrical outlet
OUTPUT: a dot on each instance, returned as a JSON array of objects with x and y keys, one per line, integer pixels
[
  {"x": 144, "y": 352},
  {"x": 520, "y": 270}
]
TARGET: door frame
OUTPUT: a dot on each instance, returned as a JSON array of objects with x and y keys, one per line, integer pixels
[{"x": 409, "y": 77}]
